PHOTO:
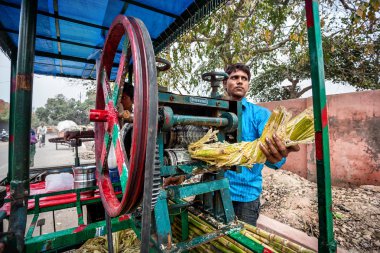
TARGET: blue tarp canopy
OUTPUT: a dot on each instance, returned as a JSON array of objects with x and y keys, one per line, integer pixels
[{"x": 68, "y": 32}]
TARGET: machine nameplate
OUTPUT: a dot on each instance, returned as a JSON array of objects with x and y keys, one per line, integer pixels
[{"x": 198, "y": 101}]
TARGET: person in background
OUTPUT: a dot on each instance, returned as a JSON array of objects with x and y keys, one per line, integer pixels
[
  {"x": 33, "y": 141},
  {"x": 125, "y": 111},
  {"x": 125, "y": 107},
  {"x": 41, "y": 132}
]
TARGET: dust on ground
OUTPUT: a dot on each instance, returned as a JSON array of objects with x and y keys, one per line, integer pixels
[{"x": 292, "y": 200}]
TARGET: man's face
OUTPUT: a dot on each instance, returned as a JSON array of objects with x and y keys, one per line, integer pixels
[
  {"x": 237, "y": 85},
  {"x": 127, "y": 102}
]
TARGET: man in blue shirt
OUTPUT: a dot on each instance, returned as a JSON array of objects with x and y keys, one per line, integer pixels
[{"x": 246, "y": 187}]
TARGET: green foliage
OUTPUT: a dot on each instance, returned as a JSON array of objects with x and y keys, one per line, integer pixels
[
  {"x": 60, "y": 108},
  {"x": 271, "y": 37},
  {"x": 4, "y": 114}
]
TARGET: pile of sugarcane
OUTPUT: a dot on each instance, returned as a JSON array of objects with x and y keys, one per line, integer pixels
[
  {"x": 297, "y": 130},
  {"x": 226, "y": 244},
  {"x": 123, "y": 241}
]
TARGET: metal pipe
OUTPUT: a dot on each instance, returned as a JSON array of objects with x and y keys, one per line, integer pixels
[
  {"x": 326, "y": 242},
  {"x": 11, "y": 112},
  {"x": 109, "y": 233},
  {"x": 77, "y": 162},
  {"x": 22, "y": 118},
  {"x": 199, "y": 121}
]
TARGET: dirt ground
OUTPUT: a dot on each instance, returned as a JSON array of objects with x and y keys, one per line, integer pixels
[{"x": 292, "y": 200}]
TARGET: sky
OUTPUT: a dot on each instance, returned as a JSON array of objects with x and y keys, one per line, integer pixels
[{"x": 45, "y": 87}]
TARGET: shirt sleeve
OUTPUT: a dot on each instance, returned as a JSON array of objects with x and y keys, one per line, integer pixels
[{"x": 276, "y": 165}]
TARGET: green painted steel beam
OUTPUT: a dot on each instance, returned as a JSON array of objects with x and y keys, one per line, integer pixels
[
  {"x": 161, "y": 214},
  {"x": 21, "y": 122},
  {"x": 191, "y": 100},
  {"x": 74, "y": 236},
  {"x": 184, "y": 191},
  {"x": 229, "y": 229},
  {"x": 326, "y": 242},
  {"x": 11, "y": 116}
]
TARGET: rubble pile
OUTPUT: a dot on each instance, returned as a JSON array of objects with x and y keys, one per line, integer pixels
[{"x": 291, "y": 199}]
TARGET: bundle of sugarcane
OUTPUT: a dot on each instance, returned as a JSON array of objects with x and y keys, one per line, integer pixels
[
  {"x": 277, "y": 242},
  {"x": 198, "y": 226},
  {"x": 298, "y": 130},
  {"x": 123, "y": 241}
]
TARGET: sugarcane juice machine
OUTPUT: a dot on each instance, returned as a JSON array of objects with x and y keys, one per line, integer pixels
[{"x": 154, "y": 146}]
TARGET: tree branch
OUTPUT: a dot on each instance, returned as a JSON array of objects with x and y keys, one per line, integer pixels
[
  {"x": 346, "y": 6},
  {"x": 299, "y": 94},
  {"x": 270, "y": 48}
]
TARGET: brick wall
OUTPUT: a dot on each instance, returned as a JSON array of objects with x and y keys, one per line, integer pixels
[{"x": 354, "y": 134}]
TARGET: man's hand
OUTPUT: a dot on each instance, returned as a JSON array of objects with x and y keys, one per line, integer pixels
[{"x": 276, "y": 149}]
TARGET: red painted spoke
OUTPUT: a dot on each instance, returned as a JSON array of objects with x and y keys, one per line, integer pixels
[
  {"x": 106, "y": 87},
  {"x": 105, "y": 150}
]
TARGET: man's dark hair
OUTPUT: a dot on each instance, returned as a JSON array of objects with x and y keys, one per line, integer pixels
[
  {"x": 238, "y": 66},
  {"x": 128, "y": 90}
]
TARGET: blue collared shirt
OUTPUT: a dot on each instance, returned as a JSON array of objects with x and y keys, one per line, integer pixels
[{"x": 247, "y": 185}]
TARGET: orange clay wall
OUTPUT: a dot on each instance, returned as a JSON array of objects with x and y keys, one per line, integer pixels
[{"x": 354, "y": 134}]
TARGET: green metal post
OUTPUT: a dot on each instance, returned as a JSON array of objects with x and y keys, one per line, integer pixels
[
  {"x": 11, "y": 116},
  {"x": 21, "y": 121},
  {"x": 326, "y": 241}
]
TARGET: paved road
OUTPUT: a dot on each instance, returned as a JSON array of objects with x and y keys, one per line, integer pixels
[{"x": 47, "y": 156}]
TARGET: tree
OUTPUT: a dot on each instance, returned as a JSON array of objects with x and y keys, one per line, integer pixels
[
  {"x": 4, "y": 113},
  {"x": 351, "y": 55},
  {"x": 60, "y": 108},
  {"x": 241, "y": 31},
  {"x": 271, "y": 37}
]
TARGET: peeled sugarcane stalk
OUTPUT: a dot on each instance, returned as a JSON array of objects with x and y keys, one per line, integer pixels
[
  {"x": 233, "y": 245},
  {"x": 271, "y": 239},
  {"x": 225, "y": 240},
  {"x": 298, "y": 130},
  {"x": 277, "y": 239},
  {"x": 193, "y": 232},
  {"x": 201, "y": 248},
  {"x": 215, "y": 243}
]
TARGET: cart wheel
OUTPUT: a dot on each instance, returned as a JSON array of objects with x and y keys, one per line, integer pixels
[{"x": 137, "y": 49}]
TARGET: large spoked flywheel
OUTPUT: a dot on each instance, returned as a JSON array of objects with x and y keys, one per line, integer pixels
[{"x": 137, "y": 52}]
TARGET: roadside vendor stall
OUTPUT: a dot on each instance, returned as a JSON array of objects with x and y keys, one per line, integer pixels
[{"x": 64, "y": 38}]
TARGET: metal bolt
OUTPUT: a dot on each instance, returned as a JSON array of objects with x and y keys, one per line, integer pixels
[{"x": 171, "y": 98}]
